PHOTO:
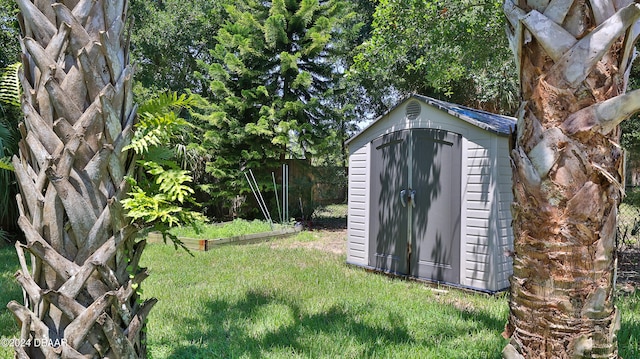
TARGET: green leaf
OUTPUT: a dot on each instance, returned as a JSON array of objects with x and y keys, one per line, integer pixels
[
  {"x": 10, "y": 88},
  {"x": 5, "y": 164},
  {"x": 275, "y": 31}
]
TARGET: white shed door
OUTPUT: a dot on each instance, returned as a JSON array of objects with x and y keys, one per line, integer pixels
[{"x": 415, "y": 212}]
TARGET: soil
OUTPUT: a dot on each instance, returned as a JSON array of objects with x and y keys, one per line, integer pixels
[
  {"x": 330, "y": 234},
  {"x": 331, "y": 241}
]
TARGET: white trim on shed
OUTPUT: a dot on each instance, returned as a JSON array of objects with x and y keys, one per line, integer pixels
[{"x": 485, "y": 217}]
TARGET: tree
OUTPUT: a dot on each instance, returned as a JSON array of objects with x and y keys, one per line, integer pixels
[
  {"x": 271, "y": 74},
  {"x": 81, "y": 284},
  {"x": 445, "y": 48},
  {"x": 169, "y": 37},
  {"x": 573, "y": 60},
  {"x": 8, "y": 33}
]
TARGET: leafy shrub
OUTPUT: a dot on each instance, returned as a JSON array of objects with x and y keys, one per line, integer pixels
[{"x": 159, "y": 194}]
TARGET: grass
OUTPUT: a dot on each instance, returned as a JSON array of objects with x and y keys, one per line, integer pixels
[
  {"x": 230, "y": 229},
  {"x": 278, "y": 300},
  {"x": 9, "y": 290}
]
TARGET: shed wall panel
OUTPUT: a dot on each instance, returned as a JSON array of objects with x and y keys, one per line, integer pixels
[
  {"x": 477, "y": 249},
  {"x": 358, "y": 206},
  {"x": 504, "y": 237},
  {"x": 478, "y": 197}
]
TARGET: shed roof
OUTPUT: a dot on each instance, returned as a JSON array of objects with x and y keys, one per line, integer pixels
[{"x": 498, "y": 124}]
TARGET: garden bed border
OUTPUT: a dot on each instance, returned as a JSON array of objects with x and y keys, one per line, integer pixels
[{"x": 208, "y": 244}]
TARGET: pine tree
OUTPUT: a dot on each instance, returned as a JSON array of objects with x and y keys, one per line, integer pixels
[{"x": 272, "y": 71}]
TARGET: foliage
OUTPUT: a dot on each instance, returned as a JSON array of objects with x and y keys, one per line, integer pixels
[
  {"x": 631, "y": 128},
  {"x": 168, "y": 39},
  {"x": 9, "y": 30},
  {"x": 159, "y": 196},
  {"x": 10, "y": 91},
  {"x": 10, "y": 88},
  {"x": 444, "y": 48},
  {"x": 159, "y": 122},
  {"x": 272, "y": 72}
]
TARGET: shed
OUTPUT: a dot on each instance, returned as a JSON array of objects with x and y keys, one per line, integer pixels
[{"x": 430, "y": 194}]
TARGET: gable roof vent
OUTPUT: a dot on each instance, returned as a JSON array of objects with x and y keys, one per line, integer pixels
[{"x": 413, "y": 110}]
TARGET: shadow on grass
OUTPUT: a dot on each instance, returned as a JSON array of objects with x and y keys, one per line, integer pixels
[
  {"x": 229, "y": 330},
  {"x": 9, "y": 290}
]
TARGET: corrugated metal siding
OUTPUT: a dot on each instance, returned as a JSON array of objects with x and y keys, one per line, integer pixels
[{"x": 358, "y": 203}]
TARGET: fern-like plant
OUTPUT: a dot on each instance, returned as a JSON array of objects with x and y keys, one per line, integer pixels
[
  {"x": 159, "y": 195},
  {"x": 10, "y": 89},
  {"x": 10, "y": 92}
]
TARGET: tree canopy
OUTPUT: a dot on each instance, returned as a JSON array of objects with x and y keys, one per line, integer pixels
[
  {"x": 454, "y": 50},
  {"x": 273, "y": 74},
  {"x": 10, "y": 49},
  {"x": 169, "y": 37}
]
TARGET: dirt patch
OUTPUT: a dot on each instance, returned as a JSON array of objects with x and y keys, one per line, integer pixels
[
  {"x": 331, "y": 241},
  {"x": 327, "y": 229}
]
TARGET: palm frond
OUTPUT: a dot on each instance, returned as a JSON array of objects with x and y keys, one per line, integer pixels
[
  {"x": 169, "y": 101},
  {"x": 8, "y": 137},
  {"x": 10, "y": 89},
  {"x": 5, "y": 164},
  {"x": 155, "y": 129},
  {"x": 4, "y": 236}
]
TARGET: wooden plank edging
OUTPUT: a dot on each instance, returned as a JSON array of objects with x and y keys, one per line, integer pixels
[{"x": 208, "y": 244}]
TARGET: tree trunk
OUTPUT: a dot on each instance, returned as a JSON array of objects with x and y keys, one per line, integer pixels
[
  {"x": 574, "y": 59},
  {"x": 80, "y": 283}
]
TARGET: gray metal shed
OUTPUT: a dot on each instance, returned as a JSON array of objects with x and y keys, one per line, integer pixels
[{"x": 430, "y": 194}]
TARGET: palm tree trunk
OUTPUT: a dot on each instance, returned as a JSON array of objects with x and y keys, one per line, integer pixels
[
  {"x": 574, "y": 59},
  {"x": 80, "y": 284}
]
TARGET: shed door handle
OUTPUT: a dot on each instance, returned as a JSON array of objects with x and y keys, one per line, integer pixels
[
  {"x": 412, "y": 197},
  {"x": 403, "y": 195}
]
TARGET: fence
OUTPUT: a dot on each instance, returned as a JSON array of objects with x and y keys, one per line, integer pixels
[{"x": 629, "y": 219}]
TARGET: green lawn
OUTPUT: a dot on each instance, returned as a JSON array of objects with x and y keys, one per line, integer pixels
[
  {"x": 9, "y": 290},
  {"x": 279, "y": 299},
  {"x": 237, "y": 227},
  {"x": 275, "y": 301}
]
